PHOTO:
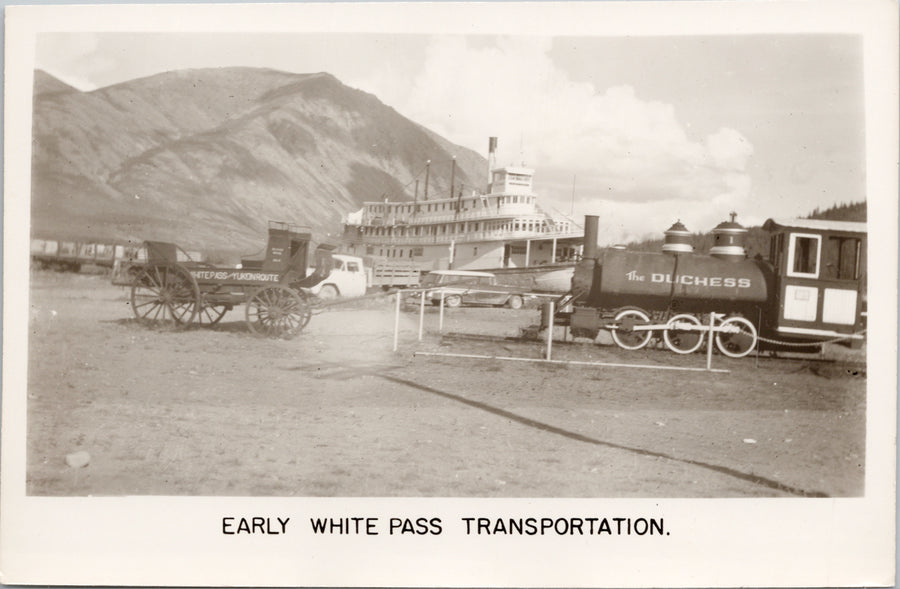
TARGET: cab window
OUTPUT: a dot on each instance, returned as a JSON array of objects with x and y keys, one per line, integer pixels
[
  {"x": 840, "y": 258},
  {"x": 352, "y": 267},
  {"x": 803, "y": 255},
  {"x": 776, "y": 247}
]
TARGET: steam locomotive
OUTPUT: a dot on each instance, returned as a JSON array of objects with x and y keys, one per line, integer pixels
[{"x": 810, "y": 289}]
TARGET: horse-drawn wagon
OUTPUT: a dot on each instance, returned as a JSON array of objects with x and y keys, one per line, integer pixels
[{"x": 166, "y": 291}]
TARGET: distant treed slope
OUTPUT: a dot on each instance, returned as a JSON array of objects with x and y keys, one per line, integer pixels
[
  {"x": 757, "y": 240},
  {"x": 855, "y": 211},
  {"x": 206, "y": 157}
]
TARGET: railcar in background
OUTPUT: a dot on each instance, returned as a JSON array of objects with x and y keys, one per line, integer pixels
[{"x": 71, "y": 255}]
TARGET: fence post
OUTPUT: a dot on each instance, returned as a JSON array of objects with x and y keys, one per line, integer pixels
[
  {"x": 758, "y": 331},
  {"x": 441, "y": 315},
  {"x": 550, "y": 329},
  {"x": 709, "y": 346},
  {"x": 397, "y": 321},
  {"x": 421, "y": 314}
]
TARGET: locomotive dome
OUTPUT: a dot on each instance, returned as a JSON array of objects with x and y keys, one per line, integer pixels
[
  {"x": 678, "y": 239},
  {"x": 728, "y": 240}
]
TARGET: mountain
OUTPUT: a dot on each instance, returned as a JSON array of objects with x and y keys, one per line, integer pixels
[
  {"x": 205, "y": 158},
  {"x": 45, "y": 84}
]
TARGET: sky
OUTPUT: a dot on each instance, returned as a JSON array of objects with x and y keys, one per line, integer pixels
[{"x": 641, "y": 131}]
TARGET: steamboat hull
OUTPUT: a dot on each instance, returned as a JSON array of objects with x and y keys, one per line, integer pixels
[{"x": 556, "y": 278}]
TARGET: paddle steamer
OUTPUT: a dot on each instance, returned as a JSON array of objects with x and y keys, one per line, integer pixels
[{"x": 502, "y": 229}]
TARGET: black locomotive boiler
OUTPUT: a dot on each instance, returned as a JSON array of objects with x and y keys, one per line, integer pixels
[{"x": 810, "y": 289}]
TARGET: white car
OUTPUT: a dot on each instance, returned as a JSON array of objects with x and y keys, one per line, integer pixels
[
  {"x": 466, "y": 287},
  {"x": 347, "y": 279}
]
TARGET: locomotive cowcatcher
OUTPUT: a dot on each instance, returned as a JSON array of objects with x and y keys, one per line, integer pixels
[
  {"x": 166, "y": 291},
  {"x": 810, "y": 289}
]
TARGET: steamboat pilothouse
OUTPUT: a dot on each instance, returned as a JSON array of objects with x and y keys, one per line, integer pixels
[{"x": 502, "y": 230}]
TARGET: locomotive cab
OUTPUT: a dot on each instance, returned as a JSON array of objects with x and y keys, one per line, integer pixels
[{"x": 820, "y": 278}]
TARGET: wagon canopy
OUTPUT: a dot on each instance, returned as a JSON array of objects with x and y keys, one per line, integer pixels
[{"x": 290, "y": 251}]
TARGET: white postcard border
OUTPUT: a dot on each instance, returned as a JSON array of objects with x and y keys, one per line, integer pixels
[{"x": 712, "y": 542}]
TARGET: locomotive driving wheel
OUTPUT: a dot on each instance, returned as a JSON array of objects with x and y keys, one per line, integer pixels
[
  {"x": 277, "y": 311},
  {"x": 625, "y": 335},
  {"x": 165, "y": 295},
  {"x": 681, "y": 335},
  {"x": 737, "y": 337}
]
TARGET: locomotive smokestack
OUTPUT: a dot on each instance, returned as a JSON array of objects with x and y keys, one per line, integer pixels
[{"x": 591, "y": 223}]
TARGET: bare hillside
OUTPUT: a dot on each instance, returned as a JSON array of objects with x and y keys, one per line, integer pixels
[{"x": 206, "y": 157}]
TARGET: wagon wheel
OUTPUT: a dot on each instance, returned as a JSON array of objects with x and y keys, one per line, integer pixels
[
  {"x": 738, "y": 338},
  {"x": 625, "y": 335},
  {"x": 165, "y": 295},
  {"x": 680, "y": 337},
  {"x": 277, "y": 311},
  {"x": 311, "y": 303},
  {"x": 210, "y": 314}
]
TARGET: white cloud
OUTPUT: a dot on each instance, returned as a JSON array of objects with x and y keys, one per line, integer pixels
[
  {"x": 729, "y": 149},
  {"x": 622, "y": 222},
  {"x": 64, "y": 55},
  {"x": 625, "y": 151}
]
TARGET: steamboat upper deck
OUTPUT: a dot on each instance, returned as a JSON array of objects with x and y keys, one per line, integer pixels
[{"x": 503, "y": 227}]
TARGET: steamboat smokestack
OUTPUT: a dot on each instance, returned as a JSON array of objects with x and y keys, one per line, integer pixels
[
  {"x": 591, "y": 223},
  {"x": 492, "y": 159},
  {"x": 453, "y": 178}
]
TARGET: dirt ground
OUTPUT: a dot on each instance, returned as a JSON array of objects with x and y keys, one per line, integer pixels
[{"x": 336, "y": 412}]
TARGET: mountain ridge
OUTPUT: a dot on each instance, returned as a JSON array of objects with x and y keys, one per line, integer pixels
[{"x": 206, "y": 157}]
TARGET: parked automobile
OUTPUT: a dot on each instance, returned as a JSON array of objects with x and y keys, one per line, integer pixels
[
  {"x": 347, "y": 279},
  {"x": 467, "y": 287}
]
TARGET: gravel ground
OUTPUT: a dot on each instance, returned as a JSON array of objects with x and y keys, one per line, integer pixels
[{"x": 336, "y": 412}]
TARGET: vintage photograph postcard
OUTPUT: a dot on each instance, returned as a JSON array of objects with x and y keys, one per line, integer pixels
[{"x": 450, "y": 294}]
